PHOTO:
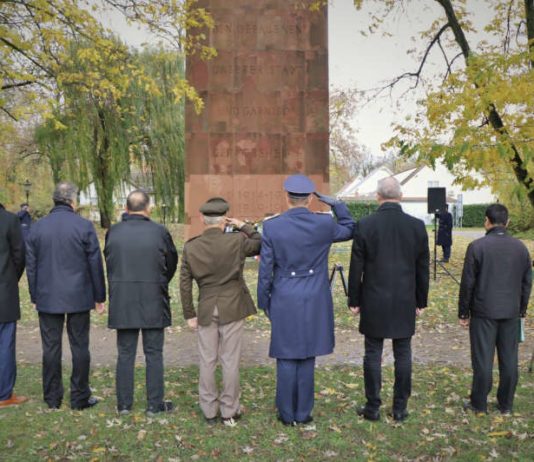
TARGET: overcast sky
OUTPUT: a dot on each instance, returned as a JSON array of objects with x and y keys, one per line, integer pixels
[{"x": 363, "y": 62}]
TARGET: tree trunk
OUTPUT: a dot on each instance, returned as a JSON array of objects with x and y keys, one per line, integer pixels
[
  {"x": 102, "y": 172},
  {"x": 495, "y": 120}
]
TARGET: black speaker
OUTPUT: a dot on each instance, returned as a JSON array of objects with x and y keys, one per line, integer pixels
[{"x": 436, "y": 200}]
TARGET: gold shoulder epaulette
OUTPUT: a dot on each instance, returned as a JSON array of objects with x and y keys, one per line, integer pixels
[{"x": 271, "y": 217}]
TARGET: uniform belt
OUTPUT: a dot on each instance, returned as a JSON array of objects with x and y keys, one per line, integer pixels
[
  {"x": 214, "y": 290},
  {"x": 300, "y": 273}
]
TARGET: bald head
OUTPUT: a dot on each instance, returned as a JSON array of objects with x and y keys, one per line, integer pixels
[
  {"x": 137, "y": 201},
  {"x": 389, "y": 189}
]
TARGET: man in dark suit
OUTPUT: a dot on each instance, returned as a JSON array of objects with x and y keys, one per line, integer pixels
[
  {"x": 215, "y": 260},
  {"x": 388, "y": 288},
  {"x": 66, "y": 280},
  {"x": 25, "y": 219},
  {"x": 141, "y": 261},
  {"x": 494, "y": 293},
  {"x": 11, "y": 269},
  {"x": 445, "y": 233},
  {"x": 294, "y": 292}
]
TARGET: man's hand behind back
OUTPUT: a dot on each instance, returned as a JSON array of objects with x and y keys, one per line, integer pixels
[{"x": 100, "y": 308}]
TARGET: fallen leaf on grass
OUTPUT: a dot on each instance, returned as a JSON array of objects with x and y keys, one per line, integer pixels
[
  {"x": 141, "y": 435},
  {"x": 506, "y": 433}
]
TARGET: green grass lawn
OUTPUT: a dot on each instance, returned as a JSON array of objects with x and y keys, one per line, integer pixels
[{"x": 437, "y": 429}]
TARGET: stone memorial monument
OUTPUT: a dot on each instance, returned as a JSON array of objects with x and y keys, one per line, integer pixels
[{"x": 266, "y": 107}]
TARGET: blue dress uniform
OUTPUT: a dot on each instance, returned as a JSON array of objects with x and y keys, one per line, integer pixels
[{"x": 294, "y": 291}]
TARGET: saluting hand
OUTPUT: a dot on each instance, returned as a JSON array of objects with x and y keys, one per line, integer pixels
[
  {"x": 355, "y": 310},
  {"x": 100, "y": 308},
  {"x": 235, "y": 222},
  {"x": 193, "y": 323}
]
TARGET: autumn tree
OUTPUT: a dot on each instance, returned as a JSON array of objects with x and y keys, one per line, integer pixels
[
  {"x": 478, "y": 115},
  {"x": 38, "y": 69},
  {"x": 97, "y": 136}
]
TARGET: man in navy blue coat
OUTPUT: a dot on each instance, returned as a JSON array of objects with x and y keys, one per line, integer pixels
[
  {"x": 66, "y": 279},
  {"x": 11, "y": 269},
  {"x": 294, "y": 291}
]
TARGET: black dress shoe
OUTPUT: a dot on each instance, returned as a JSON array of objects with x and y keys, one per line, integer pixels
[
  {"x": 285, "y": 422},
  {"x": 367, "y": 414},
  {"x": 211, "y": 421},
  {"x": 165, "y": 406},
  {"x": 469, "y": 407},
  {"x": 307, "y": 420},
  {"x": 399, "y": 416},
  {"x": 91, "y": 402},
  {"x": 504, "y": 411}
]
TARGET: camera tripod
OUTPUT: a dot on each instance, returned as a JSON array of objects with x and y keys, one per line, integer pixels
[
  {"x": 337, "y": 268},
  {"x": 435, "y": 262}
]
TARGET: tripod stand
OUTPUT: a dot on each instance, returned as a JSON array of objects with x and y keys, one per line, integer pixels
[
  {"x": 337, "y": 268},
  {"x": 435, "y": 263}
]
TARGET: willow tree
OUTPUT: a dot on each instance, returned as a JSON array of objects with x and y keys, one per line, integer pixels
[
  {"x": 97, "y": 136},
  {"x": 157, "y": 118}
]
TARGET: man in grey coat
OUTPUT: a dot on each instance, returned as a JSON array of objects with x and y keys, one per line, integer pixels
[{"x": 141, "y": 261}]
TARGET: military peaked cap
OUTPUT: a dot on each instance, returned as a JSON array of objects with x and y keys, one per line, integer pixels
[
  {"x": 299, "y": 185},
  {"x": 214, "y": 207}
]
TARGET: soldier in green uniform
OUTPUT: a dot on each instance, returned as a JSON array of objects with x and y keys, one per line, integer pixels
[{"x": 215, "y": 260}]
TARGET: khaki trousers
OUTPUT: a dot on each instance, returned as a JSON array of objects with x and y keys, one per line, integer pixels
[{"x": 223, "y": 342}]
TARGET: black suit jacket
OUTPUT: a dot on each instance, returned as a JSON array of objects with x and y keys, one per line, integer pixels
[
  {"x": 11, "y": 265},
  {"x": 64, "y": 264},
  {"x": 497, "y": 277},
  {"x": 141, "y": 260},
  {"x": 389, "y": 272}
]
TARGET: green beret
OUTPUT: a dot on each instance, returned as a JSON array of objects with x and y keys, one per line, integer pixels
[{"x": 214, "y": 207}]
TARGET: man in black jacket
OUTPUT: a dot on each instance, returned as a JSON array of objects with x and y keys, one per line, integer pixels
[
  {"x": 66, "y": 279},
  {"x": 11, "y": 269},
  {"x": 141, "y": 261},
  {"x": 494, "y": 293},
  {"x": 445, "y": 233},
  {"x": 388, "y": 287}
]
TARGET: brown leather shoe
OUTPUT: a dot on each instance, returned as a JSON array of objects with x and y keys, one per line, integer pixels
[{"x": 13, "y": 401}]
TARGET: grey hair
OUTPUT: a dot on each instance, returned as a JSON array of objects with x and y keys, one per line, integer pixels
[
  {"x": 211, "y": 221},
  {"x": 389, "y": 188},
  {"x": 65, "y": 192}
]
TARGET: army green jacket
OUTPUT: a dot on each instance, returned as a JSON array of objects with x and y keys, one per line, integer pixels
[{"x": 215, "y": 260}]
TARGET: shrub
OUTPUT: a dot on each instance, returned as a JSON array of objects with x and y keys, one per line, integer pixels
[{"x": 361, "y": 209}]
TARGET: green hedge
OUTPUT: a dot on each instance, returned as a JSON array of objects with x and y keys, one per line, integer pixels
[
  {"x": 474, "y": 215},
  {"x": 361, "y": 209}
]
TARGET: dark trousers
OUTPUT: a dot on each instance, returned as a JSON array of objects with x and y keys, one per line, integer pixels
[
  {"x": 8, "y": 365},
  {"x": 372, "y": 372},
  {"x": 485, "y": 335},
  {"x": 51, "y": 326},
  {"x": 446, "y": 252},
  {"x": 295, "y": 388},
  {"x": 153, "y": 349}
]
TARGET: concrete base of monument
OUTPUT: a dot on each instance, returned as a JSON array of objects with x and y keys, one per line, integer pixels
[{"x": 251, "y": 197}]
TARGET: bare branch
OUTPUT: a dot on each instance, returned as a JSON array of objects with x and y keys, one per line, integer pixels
[
  {"x": 11, "y": 116},
  {"x": 17, "y": 85}
]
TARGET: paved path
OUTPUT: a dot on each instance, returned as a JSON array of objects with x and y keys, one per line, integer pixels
[{"x": 448, "y": 345}]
